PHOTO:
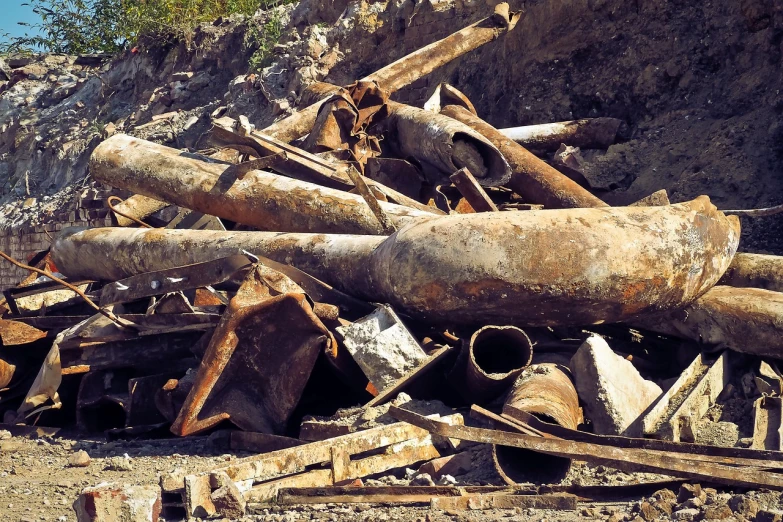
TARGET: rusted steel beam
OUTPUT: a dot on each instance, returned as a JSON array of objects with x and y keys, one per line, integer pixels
[
  {"x": 547, "y": 392},
  {"x": 410, "y": 68},
  {"x": 588, "y": 133},
  {"x": 755, "y": 271},
  {"x": 629, "y": 460},
  {"x": 574, "y": 266},
  {"x": 747, "y": 320},
  {"x": 490, "y": 362},
  {"x": 260, "y": 199},
  {"x": 13, "y": 333},
  {"x": 445, "y": 144},
  {"x": 767, "y": 418},
  {"x": 472, "y": 191},
  {"x": 531, "y": 178},
  {"x": 555, "y": 501}
]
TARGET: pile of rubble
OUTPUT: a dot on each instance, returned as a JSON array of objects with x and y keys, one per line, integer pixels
[{"x": 491, "y": 316}]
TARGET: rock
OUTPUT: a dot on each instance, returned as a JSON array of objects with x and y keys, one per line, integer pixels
[
  {"x": 182, "y": 76},
  {"x": 191, "y": 122},
  {"x": 422, "y": 479},
  {"x": 119, "y": 464},
  {"x": 743, "y": 505},
  {"x": 228, "y": 500},
  {"x": 685, "y": 514},
  {"x": 118, "y": 503},
  {"x": 454, "y": 465},
  {"x": 688, "y": 491},
  {"x": 280, "y": 106},
  {"x": 664, "y": 494},
  {"x": 5, "y": 70},
  {"x": 665, "y": 506},
  {"x": 80, "y": 459},
  {"x": 769, "y": 515},
  {"x": 717, "y": 512},
  {"x": 199, "y": 81},
  {"x": 5, "y": 435},
  {"x": 648, "y": 512},
  {"x": 695, "y": 502},
  {"x": 611, "y": 389}
]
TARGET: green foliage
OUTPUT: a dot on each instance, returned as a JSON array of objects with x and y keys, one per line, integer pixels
[
  {"x": 263, "y": 39},
  {"x": 84, "y": 26}
]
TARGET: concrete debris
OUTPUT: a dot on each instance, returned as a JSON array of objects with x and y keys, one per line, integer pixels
[
  {"x": 328, "y": 289},
  {"x": 611, "y": 389},
  {"x": 118, "y": 503}
]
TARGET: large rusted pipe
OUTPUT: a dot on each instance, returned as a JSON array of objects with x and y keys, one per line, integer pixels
[
  {"x": 545, "y": 267},
  {"x": 260, "y": 199},
  {"x": 546, "y": 391},
  {"x": 7, "y": 371},
  {"x": 531, "y": 178},
  {"x": 755, "y": 271},
  {"x": 588, "y": 133},
  {"x": 748, "y": 320},
  {"x": 445, "y": 144},
  {"x": 490, "y": 362},
  {"x": 409, "y": 68}
]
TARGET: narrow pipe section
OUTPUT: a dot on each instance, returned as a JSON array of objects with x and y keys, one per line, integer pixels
[
  {"x": 260, "y": 199},
  {"x": 409, "y": 68},
  {"x": 531, "y": 178},
  {"x": 755, "y": 271},
  {"x": 546, "y": 391},
  {"x": 139, "y": 207},
  {"x": 536, "y": 268},
  {"x": 588, "y": 133},
  {"x": 490, "y": 362}
]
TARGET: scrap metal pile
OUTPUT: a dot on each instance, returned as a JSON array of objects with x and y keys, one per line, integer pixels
[{"x": 362, "y": 248}]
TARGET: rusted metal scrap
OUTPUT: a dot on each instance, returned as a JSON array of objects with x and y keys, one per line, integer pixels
[
  {"x": 261, "y": 199},
  {"x": 588, "y": 133},
  {"x": 258, "y": 360},
  {"x": 767, "y": 419},
  {"x": 747, "y": 320},
  {"x": 490, "y": 361},
  {"x": 549, "y": 267},
  {"x": 624, "y": 459},
  {"x": 755, "y": 271},
  {"x": 546, "y": 392},
  {"x": 410, "y": 68},
  {"x": 531, "y": 178}
]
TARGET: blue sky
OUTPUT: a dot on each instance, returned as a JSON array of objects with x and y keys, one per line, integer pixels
[{"x": 11, "y": 12}]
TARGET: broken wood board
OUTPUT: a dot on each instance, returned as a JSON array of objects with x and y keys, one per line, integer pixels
[
  {"x": 625, "y": 459},
  {"x": 674, "y": 415}
]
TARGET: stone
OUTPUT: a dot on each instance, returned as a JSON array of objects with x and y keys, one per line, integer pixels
[
  {"x": 199, "y": 81},
  {"x": 664, "y": 494},
  {"x": 119, "y": 464},
  {"x": 688, "y": 491},
  {"x": 80, "y": 459},
  {"x": 769, "y": 515},
  {"x": 228, "y": 500},
  {"x": 648, "y": 512},
  {"x": 118, "y": 503},
  {"x": 665, "y": 506},
  {"x": 422, "y": 479},
  {"x": 182, "y": 76},
  {"x": 5, "y": 435},
  {"x": 613, "y": 393},
  {"x": 695, "y": 502},
  {"x": 744, "y": 505},
  {"x": 453, "y": 465},
  {"x": 717, "y": 512},
  {"x": 685, "y": 514}
]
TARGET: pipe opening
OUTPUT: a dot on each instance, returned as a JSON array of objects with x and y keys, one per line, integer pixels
[
  {"x": 518, "y": 466},
  {"x": 501, "y": 350}
]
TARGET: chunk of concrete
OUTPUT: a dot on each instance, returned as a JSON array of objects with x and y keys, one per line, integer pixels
[
  {"x": 383, "y": 348},
  {"x": 118, "y": 503},
  {"x": 228, "y": 501},
  {"x": 613, "y": 393}
]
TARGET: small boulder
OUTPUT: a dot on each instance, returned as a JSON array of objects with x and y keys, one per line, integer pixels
[
  {"x": 80, "y": 459},
  {"x": 744, "y": 505},
  {"x": 228, "y": 500},
  {"x": 613, "y": 393}
]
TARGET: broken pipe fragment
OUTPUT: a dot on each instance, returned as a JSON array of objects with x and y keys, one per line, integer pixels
[
  {"x": 588, "y": 133},
  {"x": 540, "y": 267}
]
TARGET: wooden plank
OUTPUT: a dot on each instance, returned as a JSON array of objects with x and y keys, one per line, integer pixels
[
  {"x": 624, "y": 459},
  {"x": 425, "y": 366}
]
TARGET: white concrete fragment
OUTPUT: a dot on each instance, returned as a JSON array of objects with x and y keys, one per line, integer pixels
[
  {"x": 118, "y": 503},
  {"x": 613, "y": 393},
  {"x": 384, "y": 349}
]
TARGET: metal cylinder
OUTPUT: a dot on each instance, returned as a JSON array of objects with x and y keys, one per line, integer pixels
[
  {"x": 755, "y": 271},
  {"x": 546, "y": 391},
  {"x": 536, "y": 268},
  {"x": 490, "y": 362}
]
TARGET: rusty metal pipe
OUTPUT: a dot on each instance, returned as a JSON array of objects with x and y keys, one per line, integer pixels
[
  {"x": 588, "y": 133},
  {"x": 755, "y": 271},
  {"x": 445, "y": 144},
  {"x": 139, "y": 207},
  {"x": 747, "y": 320},
  {"x": 409, "y": 68},
  {"x": 260, "y": 199},
  {"x": 490, "y": 362},
  {"x": 539, "y": 267},
  {"x": 531, "y": 178},
  {"x": 546, "y": 391},
  {"x": 7, "y": 371}
]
